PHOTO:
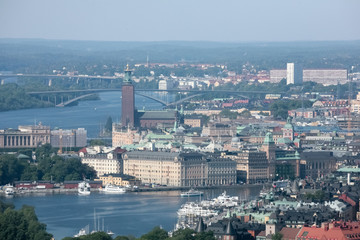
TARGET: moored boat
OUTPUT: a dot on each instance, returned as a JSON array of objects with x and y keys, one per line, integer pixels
[
  {"x": 191, "y": 193},
  {"x": 110, "y": 188},
  {"x": 9, "y": 190},
  {"x": 84, "y": 188}
]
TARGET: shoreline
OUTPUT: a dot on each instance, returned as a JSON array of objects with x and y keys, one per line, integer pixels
[{"x": 142, "y": 189}]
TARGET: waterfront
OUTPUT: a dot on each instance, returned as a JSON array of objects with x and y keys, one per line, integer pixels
[
  {"x": 90, "y": 115},
  {"x": 124, "y": 214}
]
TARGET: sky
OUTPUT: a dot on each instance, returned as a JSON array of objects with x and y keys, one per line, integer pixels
[{"x": 188, "y": 20}]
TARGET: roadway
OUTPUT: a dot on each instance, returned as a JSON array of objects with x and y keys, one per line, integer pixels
[{"x": 148, "y": 90}]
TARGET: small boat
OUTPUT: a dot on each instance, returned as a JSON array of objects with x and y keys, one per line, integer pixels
[
  {"x": 9, "y": 190},
  {"x": 82, "y": 232},
  {"x": 84, "y": 188},
  {"x": 191, "y": 193},
  {"x": 110, "y": 188}
]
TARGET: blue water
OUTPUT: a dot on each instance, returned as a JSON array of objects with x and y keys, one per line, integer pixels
[
  {"x": 90, "y": 115},
  {"x": 125, "y": 214}
]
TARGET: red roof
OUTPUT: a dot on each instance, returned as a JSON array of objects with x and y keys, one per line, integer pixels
[
  {"x": 289, "y": 233},
  {"x": 119, "y": 150},
  {"x": 83, "y": 150},
  {"x": 333, "y": 230}
]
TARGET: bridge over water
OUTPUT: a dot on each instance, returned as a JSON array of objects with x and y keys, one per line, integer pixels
[{"x": 194, "y": 93}]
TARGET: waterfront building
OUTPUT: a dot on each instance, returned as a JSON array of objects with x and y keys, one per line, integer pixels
[
  {"x": 128, "y": 101},
  {"x": 154, "y": 167},
  {"x": 221, "y": 171},
  {"x": 30, "y": 136},
  {"x": 118, "y": 179},
  {"x": 68, "y": 138},
  {"x": 104, "y": 160},
  {"x": 251, "y": 165},
  {"x": 178, "y": 169}
]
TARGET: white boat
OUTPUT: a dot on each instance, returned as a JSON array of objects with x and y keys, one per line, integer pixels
[
  {"x": 9, "y": 190},
  {"x": 84, "y": 188},
  {"x": 110, "y": 188},
  {"x": 225, "y": 200},
  {"x": 191, "y": 193},
  {"x": 84, "y": 231},
  {"x": 194, "y": 209}
]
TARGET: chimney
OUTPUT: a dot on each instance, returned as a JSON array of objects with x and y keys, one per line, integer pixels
[
  {"x": 325, "y": 226},
  {"x": 331, "y": 225}
]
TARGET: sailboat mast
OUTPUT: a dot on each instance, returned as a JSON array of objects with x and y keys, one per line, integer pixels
[{"x": 94, "y": 219}]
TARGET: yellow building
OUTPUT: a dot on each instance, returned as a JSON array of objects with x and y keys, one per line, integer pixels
[
  {"x": 193, "y": 122},
  {"x": 119, "y": 180},
  {"x": 179, "y": 169},
  {"x": 154, "y": 167}
]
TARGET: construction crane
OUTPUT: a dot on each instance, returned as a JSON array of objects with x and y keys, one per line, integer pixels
[{"x": 60, "y": 142}]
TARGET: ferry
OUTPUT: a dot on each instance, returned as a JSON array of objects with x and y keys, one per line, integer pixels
[
  {"x": 84, "y": 188},
  {"x": 191, "y": 193},
  {"x": 110, "y": 188}
]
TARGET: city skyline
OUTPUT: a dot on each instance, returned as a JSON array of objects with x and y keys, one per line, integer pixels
[{"x": 234, "y": 21}]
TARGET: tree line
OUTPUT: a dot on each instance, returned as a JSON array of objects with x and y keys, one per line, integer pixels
[
  {"x": 13, "y": 97},
  {"x": 47, "y": 166},
  {"x": 21, "y": 224}
]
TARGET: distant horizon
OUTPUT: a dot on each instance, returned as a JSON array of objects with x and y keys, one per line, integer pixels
[
  {"x": 162, "y": 20},
  {"x": 174, "y": 41}
]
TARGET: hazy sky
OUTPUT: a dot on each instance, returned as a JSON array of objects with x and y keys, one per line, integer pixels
[{"x": 161, "y": 20}]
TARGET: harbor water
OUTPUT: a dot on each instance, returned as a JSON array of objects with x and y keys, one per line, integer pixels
[
  {"x": 91, "y": 115},
  {"x": 124, "y": 214}
]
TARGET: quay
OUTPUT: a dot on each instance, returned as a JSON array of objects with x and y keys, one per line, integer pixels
[{"x": 62, "y": 190}]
